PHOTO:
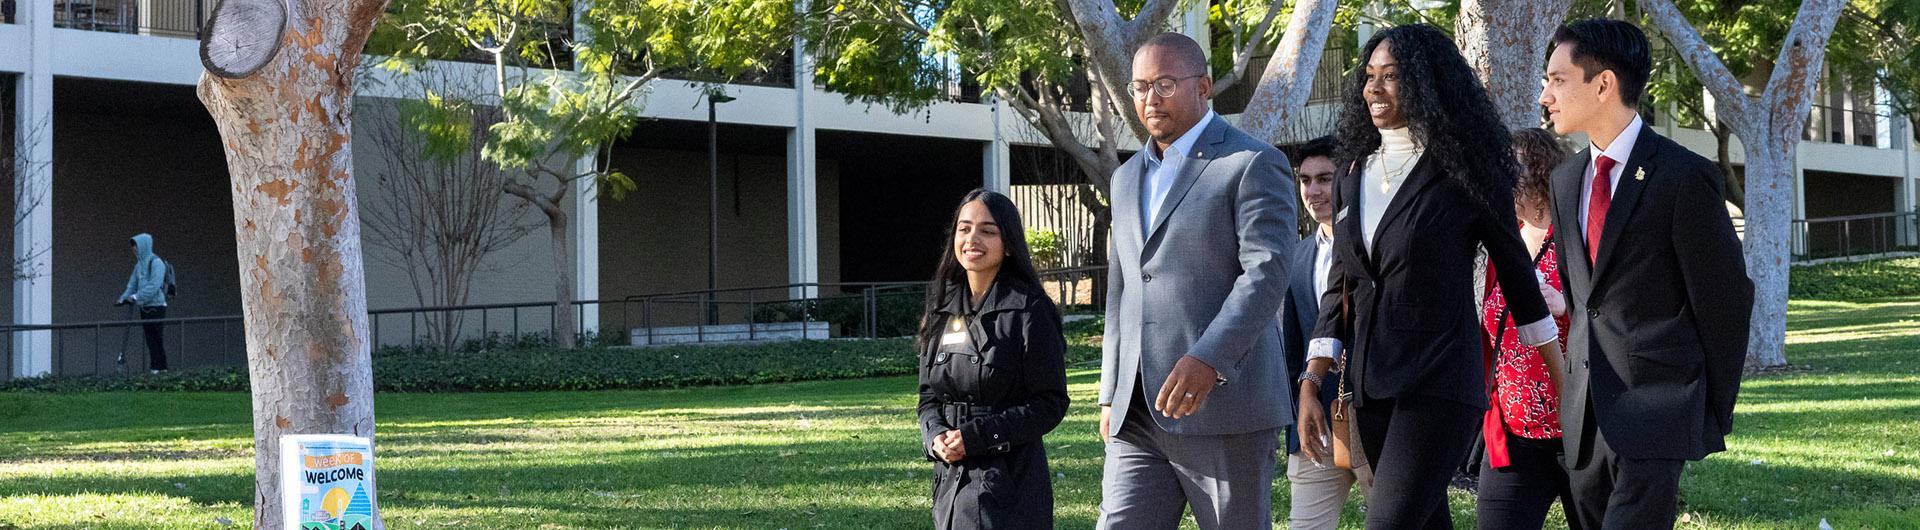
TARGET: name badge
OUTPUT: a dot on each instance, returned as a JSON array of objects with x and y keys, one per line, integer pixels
[
  {"x": 1342, "y": 216},
  {"x": 956, "y": 332}
]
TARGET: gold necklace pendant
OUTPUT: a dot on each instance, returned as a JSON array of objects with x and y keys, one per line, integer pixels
[{"x": 1386, "y": 183}]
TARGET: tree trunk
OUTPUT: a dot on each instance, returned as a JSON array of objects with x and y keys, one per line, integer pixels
[
  {"x": 287, "y": 125},
  {"x": 1505, "y": 41},
  {"x": 1723, "y": 149},
  {"x": 1769, "y": 213},
  {"x": 1769, "y": 128},
  {"x": 1102, "y": 229},
  {"x": 563, "y": 325},
  {"x": 1288, "y": 79}
]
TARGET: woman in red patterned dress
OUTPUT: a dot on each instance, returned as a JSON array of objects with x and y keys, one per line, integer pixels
[{"x": 1521, "y": 474}]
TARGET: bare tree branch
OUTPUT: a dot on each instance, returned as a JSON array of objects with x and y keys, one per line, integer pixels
[
  {"x": 1113, "y": 40},
  {"x": 1769, "y": 130},
  {"x": 1730, "y": 100},
  {"x": 440, "y": 220},
  {"x": 1244, "y": 56}
]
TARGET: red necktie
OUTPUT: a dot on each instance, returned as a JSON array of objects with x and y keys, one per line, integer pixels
[{"x": 1597, "y": 202}]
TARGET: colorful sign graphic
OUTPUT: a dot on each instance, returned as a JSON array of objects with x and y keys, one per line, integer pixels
[{"x": 324, "y": 480}]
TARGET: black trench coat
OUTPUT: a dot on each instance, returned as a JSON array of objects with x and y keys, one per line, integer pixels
[{"x": 1002, "y": 388}]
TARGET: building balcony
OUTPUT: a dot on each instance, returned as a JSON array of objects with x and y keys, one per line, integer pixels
[{"x": 161, "y": 18}]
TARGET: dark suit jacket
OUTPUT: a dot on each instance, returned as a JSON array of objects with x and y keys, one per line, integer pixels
[
  {"x": 1658, "y": 331},
  {"x": 1301, "y": 310},
  {"x": 1416, "y": 332}
]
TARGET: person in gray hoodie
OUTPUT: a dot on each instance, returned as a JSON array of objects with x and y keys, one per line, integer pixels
[{"x": 146, "y": 288}]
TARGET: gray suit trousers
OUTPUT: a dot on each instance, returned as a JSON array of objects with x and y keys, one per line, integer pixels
[{"x": 1152, "y": 475}]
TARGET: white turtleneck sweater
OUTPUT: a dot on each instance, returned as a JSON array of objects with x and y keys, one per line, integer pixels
[{"x": 1397, "y": 155}]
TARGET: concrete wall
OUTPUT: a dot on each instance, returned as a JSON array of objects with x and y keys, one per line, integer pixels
[
  {"x": 118, "y": 172},
  {"x": 121, "y": 172},
  {"x": 523, "y": 272},
  {"x": 655, "y": 241},
  {"x": 1841, "y": 194},
  {"x": 897, "y": 196}
]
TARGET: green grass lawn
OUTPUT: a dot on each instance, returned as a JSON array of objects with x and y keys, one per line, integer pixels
[{"x": 1836, "y": 438}]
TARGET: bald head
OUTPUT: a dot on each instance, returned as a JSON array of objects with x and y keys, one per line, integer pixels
[
  {"x": 1174, "y": 52},
  {"x": 1170, "y": 86}
]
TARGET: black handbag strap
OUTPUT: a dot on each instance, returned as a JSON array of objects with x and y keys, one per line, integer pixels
[{"x": 1500, "y": 330}]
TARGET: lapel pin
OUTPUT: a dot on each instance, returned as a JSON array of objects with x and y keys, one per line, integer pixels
[{"x": 1639, "y": 173}]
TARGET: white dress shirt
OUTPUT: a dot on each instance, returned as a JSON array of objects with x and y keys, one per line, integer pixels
[{"x": 1163, "y": 169}]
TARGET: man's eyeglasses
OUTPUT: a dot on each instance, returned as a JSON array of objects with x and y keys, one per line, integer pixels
[{"x": 1165, "y": 86}]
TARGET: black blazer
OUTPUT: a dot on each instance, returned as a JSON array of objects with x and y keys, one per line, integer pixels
[
  {"x": 1415, "y": 330},
  {"x": 1300, "y": 311},
  {"x": 1658, "y": 331}
]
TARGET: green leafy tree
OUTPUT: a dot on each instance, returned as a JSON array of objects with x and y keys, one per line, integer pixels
[
  {"x": 555, "y": 128},
  {"x": 1744, "y": 35},
  {"x": 1059, "y": 65},
  {"x": 1769, "y": 122}
]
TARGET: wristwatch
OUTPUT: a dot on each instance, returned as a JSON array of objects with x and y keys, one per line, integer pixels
[{"x": 1309, "y": 375}]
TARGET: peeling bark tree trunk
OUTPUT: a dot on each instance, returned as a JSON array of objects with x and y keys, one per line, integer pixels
[
  {"x": 285, "y": 116},
  {"x": 1769, "y": 127},
  {"x": 1288, "y": 80},
  {"x": 1723, "y": 149},
  {"x": 1505, "y": 41},
  {"x": 1283, "y": 88}
]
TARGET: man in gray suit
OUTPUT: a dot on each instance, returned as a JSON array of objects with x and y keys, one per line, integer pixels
[{"x": 1193, "y": 382}]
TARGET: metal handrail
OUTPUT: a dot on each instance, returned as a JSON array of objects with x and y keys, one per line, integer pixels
[
  {"x": 115, "y": 323},
  {"x": 869, "y": 296},
  {"x": 1882, "y": 233}
]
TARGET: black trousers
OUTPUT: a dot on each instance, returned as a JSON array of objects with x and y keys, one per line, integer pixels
[
  {"x": 1616, "y": 492},
  {"x": 156, "y": 343},
  {"x": 1415, "y": 445},
  {"x": 1518, "y": 496}
]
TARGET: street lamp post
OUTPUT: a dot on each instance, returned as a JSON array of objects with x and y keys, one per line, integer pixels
[{"x": 713, "y": 203}]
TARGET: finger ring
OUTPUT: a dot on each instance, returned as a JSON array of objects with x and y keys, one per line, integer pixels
[{"x": 1189, "y": 395}]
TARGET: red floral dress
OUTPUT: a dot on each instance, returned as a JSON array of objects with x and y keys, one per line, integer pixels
[{"x": 1524, "y": 395}]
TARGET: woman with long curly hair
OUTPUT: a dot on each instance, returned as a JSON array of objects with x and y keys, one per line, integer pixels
[{"x": 1426, "y": 175}]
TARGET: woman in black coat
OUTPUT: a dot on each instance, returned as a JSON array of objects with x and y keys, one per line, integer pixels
[
  {"x": 1426, "y": 173},
  {"x": 992, "y": 374}
]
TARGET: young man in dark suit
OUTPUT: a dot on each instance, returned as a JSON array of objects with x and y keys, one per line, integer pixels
[
  {"x": 1319, "y": 489},
  {"x": 1658, "y": 289}
]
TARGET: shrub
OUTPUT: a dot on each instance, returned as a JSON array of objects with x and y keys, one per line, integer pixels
[
  {"x": 1047, "y": 247},
  {"x": 540, "y": 367},
  {"x": 1881, "y": 278}
]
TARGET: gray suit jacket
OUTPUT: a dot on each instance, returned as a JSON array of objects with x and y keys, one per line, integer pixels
[{"x": 1207, "y": 280}]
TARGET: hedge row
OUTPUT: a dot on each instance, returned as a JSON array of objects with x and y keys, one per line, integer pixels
[
  {"x": 1884, "y": 278},
  {"x": 396, "y": 370}
]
